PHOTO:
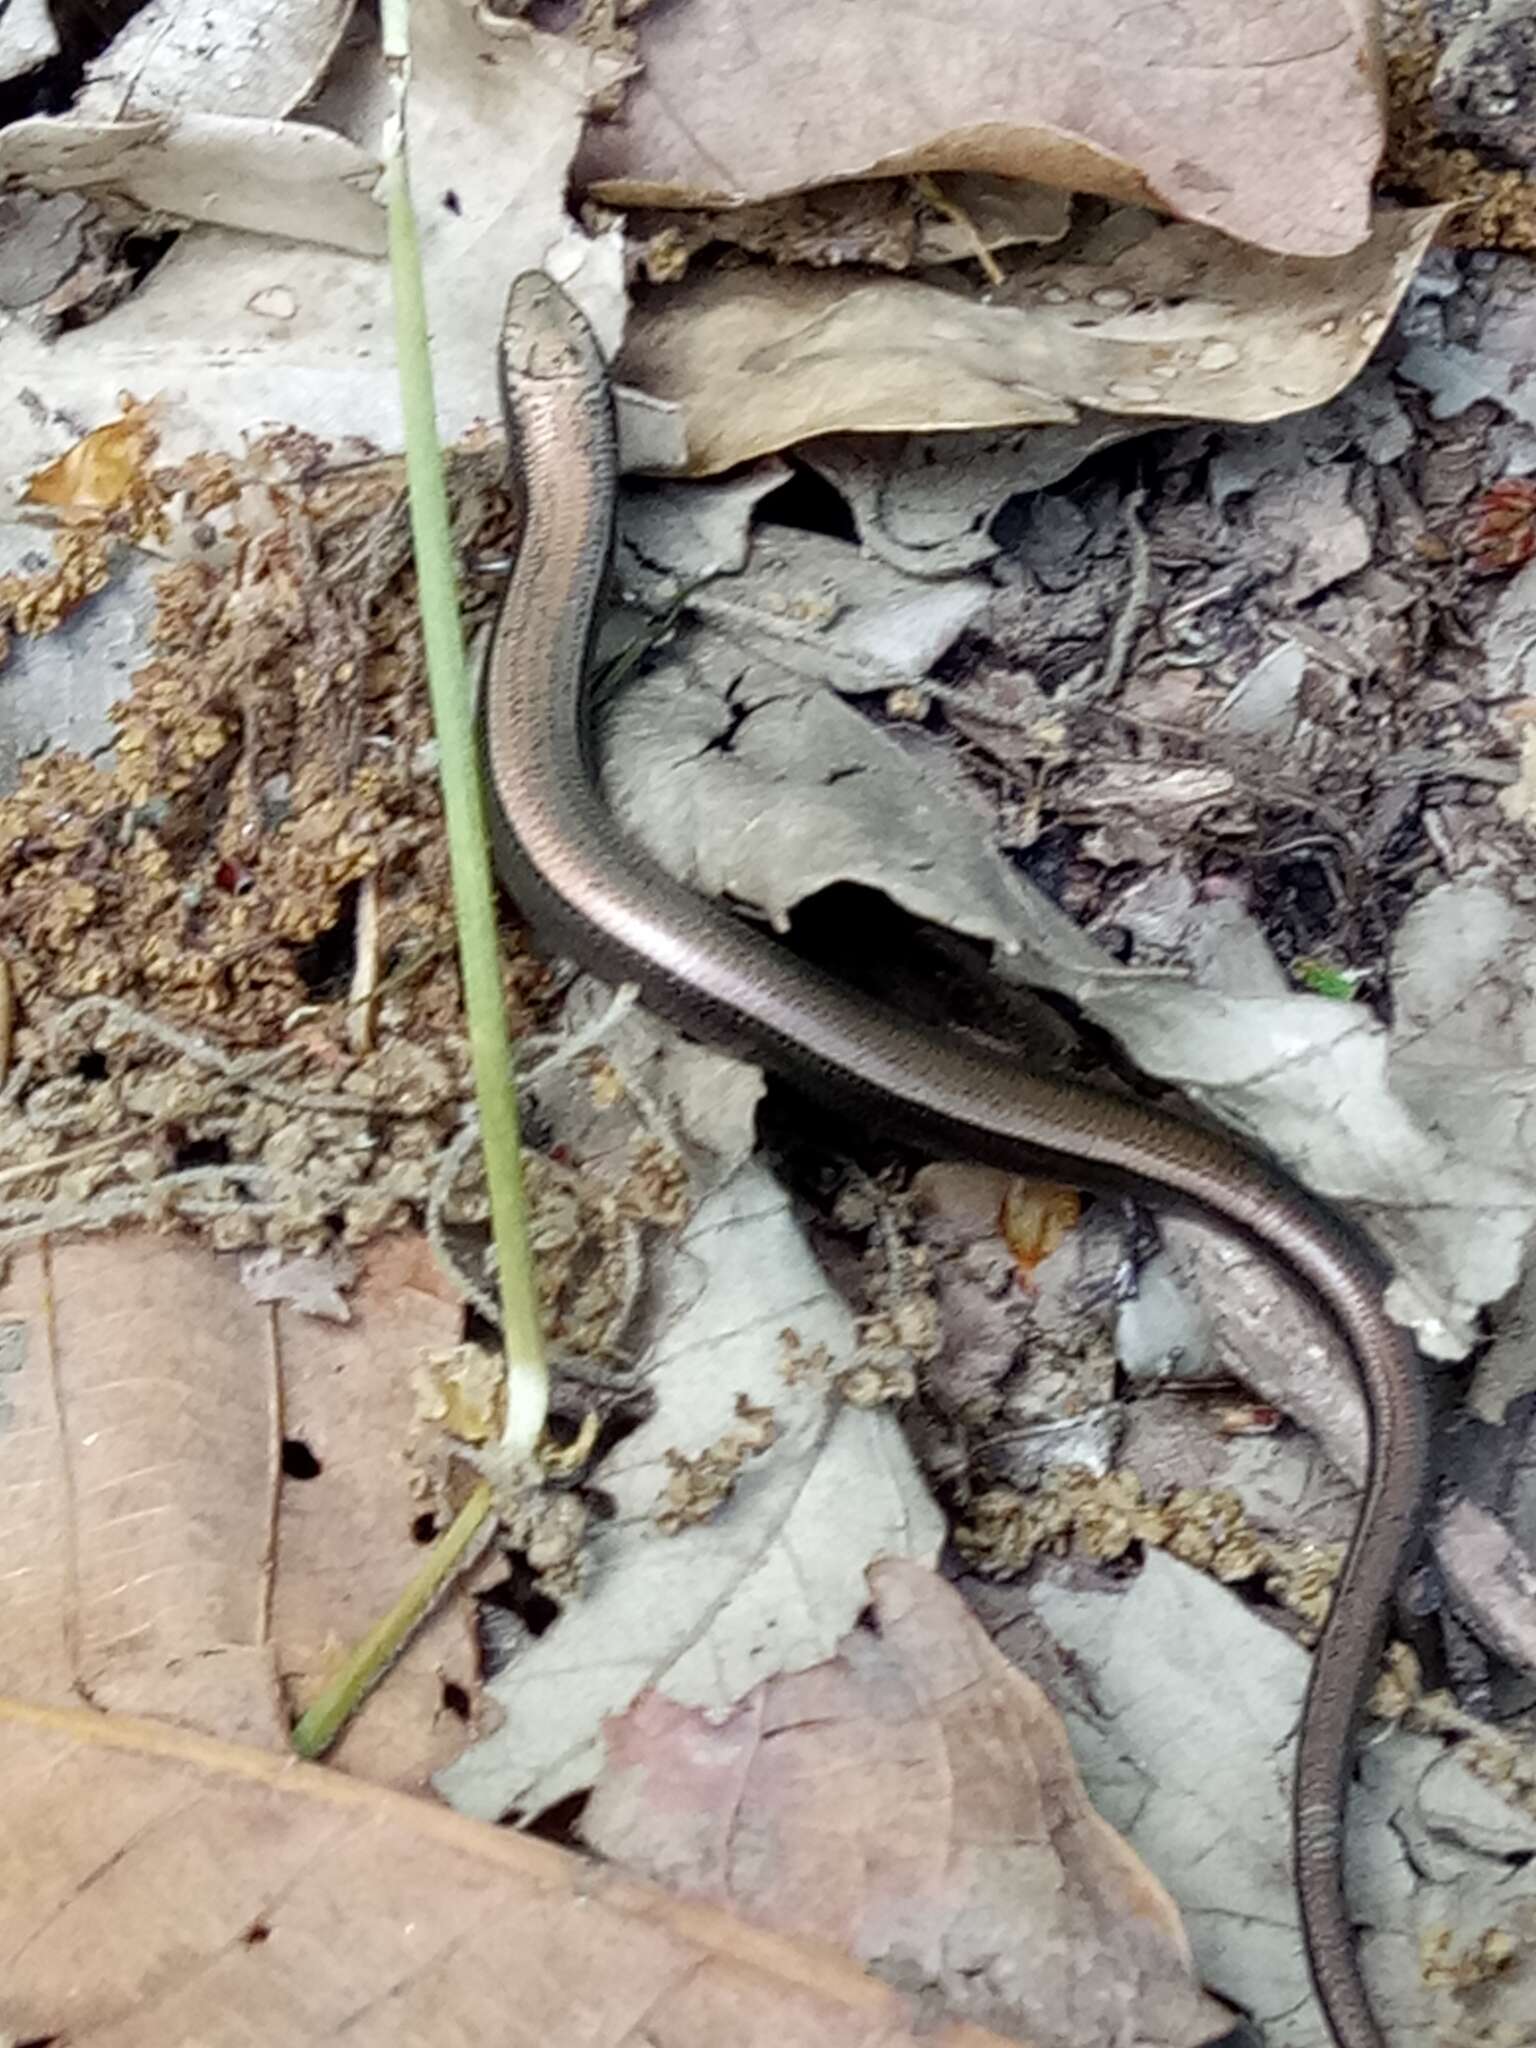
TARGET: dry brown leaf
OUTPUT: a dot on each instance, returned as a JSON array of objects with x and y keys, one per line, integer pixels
[
  {"x": 137, "y": 1477},
  {"x": 156, "y": 1886},
  {"x": 100, "y": 471},
  {"x": 1171, "y": 322},
  {"x": 1038, "y": 1217},
  {"x": 156, "y": 1559},
  {"x": 1262, "y": 120},
  {"x": 915, "y": 1799}
]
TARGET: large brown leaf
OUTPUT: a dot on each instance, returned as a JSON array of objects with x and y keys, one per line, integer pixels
[
  {"x": 914, "y": 1799},
  {"x": 157, "y": 1887},
  {"x": 1258, "y": 117}
]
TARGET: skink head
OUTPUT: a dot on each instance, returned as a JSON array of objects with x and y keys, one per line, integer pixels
[{"x": 544, "y": 335}]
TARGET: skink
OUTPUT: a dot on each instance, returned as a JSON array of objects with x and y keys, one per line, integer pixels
[{"x": 597, "y": 897}]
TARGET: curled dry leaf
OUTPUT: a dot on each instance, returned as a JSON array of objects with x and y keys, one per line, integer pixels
[
  {"x": 158, "y": 1886},
  {"x": 282, "y": 178},
  {"x": 1147, "y": 321},
  {"x": 914, "y": 1798},
  {"x": 1264, "y": 121},
  {"x": 102, "y": 471}
]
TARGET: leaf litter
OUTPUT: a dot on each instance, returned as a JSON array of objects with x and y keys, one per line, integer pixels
[{"x": 1340, "y": 610}]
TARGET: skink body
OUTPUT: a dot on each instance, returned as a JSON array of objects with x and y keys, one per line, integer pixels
[{"x": 602, "y": 900}]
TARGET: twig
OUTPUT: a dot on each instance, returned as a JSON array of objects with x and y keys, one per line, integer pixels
[
  {"x": 930, "y": 189},
  {"x": 363, "y": 996},
  {"x": 1128, "y": 623}
]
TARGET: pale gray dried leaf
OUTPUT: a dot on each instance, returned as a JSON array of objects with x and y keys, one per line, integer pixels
[
  {"x": 1482, "y": 90},
  {"x": 1463, "y": 1059},
  {"x": 269, "y": 176},
  {"x": 1314, "y": 1079},
  {"x": 1509, "y": 639},
  {"x": 1267, "y": 1335},
  {"x": 60, "y": 687},
  {"x": 1172, "y": 916},
  {"x": 803, "y": 797},
  {"x": 673, "y": 536},
  {"x": 1506, "y": 1372},
  {"x": 652, "y": 1080},
  {"x": 233, "y": 333},
  {"x": 1163, "y": 1331},
  {"x": 829, "y": 613},
  {"x": 775, "y": 1579},
  {"x": 44, "y": 239},
  {"x": 27, "y": 37},
  {"x": 260, "y": 57},
  {"x": 1309, "y": 514},
  {"x": 1262, "y": 703},
  {"x": 1179, "y": 1671},
  {"x": 1491, "y": 1580},
  {"x": 924, "y": 503},
  {"x": 314, "y": 1283}
]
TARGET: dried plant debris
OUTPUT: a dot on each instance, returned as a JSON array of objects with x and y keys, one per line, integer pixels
[
  {"x": 181, "y": 926},
  {"x": 884, "y": 223},
  {"x": 1108, "y": 1516},
  {"x": 699, "y": 1485},
  {"x": 102, "y": 496},
  {"x": 117, "y": 1117},
  {"x": 273, "y": 752},
  {"x": 1458, "y": 1965},
  {"x": 1444, "y": 146},
  {"x": 899, "y": 1336}
]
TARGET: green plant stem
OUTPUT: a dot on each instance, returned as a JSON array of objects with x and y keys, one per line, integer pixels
[
  {"x": 368, "y": 1660},
  {"x": 527, "y": 1374},
  {"x": 527, "y": 1371}
]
